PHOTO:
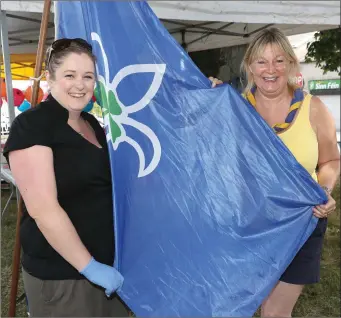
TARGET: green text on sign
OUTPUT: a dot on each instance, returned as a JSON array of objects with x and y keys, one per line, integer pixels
[{"x": 324, "y": 84}]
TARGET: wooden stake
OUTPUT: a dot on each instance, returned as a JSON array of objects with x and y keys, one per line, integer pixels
[
  {"x": 34, "y": 97},
  {"x": 41, "y": 51}
]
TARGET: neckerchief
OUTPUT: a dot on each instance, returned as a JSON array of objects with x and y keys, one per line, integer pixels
[{"x": 294, "y": 106}]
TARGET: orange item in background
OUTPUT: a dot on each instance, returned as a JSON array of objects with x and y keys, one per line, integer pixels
[
  {"x": 3, "y": 88},
  {"x": 28, "y": 94}
]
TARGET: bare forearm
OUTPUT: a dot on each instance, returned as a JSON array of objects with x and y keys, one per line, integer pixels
[
  {"x": 59, "y": 231},
  {"x": 329, "y": 173}
]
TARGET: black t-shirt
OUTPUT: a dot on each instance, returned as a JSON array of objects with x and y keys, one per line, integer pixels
[{"x": 83, "y": 178}]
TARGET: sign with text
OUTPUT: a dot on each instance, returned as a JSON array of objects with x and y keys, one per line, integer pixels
[
  {"x": 324, "y": 87},
  {"x": 324, "y": 84}
]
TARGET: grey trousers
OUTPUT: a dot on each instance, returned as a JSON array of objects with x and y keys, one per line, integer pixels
[{"x": 69, "y": 298}]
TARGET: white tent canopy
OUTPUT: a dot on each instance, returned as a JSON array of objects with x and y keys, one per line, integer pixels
[{"x": 199, "y": 25}]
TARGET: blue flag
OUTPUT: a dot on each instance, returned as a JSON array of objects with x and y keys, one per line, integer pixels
[{"x": 210, "y": 206}]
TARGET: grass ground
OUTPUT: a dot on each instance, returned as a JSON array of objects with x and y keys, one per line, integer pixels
[{"x": 319, "y": 300}]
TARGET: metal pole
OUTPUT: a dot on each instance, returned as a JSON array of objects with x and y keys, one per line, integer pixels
[
  {"x": 10, "y": 103},
  {"x": 7, "y": 65}
]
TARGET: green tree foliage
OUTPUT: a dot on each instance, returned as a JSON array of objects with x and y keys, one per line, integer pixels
[{"x": 325, "y": 51}]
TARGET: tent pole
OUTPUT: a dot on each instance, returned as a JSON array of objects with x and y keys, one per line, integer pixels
[
  {"x": 10, "y": 103},
  {"x": 41, "y": 50},
  {"x": 7, "y": 65},
  {"x": 38, "y": 68}
]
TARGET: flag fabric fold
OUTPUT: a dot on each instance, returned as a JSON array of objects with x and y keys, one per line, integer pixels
[{"x": 210, "y": 206}]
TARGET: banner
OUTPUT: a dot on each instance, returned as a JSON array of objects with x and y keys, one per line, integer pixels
[{"x": 210, "y": 206}]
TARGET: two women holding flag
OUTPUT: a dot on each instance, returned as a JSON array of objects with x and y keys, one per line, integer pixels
[{"x": 59, "y": 159}]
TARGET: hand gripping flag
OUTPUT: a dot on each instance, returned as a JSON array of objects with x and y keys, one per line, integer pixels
[{"x": 210, "y": 206}]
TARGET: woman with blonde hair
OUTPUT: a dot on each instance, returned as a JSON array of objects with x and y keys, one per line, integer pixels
[{"x": 306, "y": 127}]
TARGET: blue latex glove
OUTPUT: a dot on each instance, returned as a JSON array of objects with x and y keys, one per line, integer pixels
[{"x": 103, "y": 275}]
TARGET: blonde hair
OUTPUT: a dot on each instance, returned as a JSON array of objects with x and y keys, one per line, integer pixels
[{"x": 256, "y": 48}]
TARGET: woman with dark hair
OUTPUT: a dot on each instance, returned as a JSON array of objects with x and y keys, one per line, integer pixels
[{"x": 59, "y": 159}]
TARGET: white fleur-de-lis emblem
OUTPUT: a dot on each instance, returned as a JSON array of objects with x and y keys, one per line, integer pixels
[{"x": 116, "y": 114}]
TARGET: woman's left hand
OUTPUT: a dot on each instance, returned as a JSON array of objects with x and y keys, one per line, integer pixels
[{"x": 323, "y": 210}]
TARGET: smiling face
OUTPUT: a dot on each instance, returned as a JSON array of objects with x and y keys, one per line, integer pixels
[
  {"x": 271, "y": 70},
  {"x": 270, "y": 63},
  {"x": 73, "y": 82}
]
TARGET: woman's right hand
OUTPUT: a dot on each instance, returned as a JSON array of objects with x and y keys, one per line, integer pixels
[
  {"x": 103, "y": 275},
  {"x": 215, "y": 81}
]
